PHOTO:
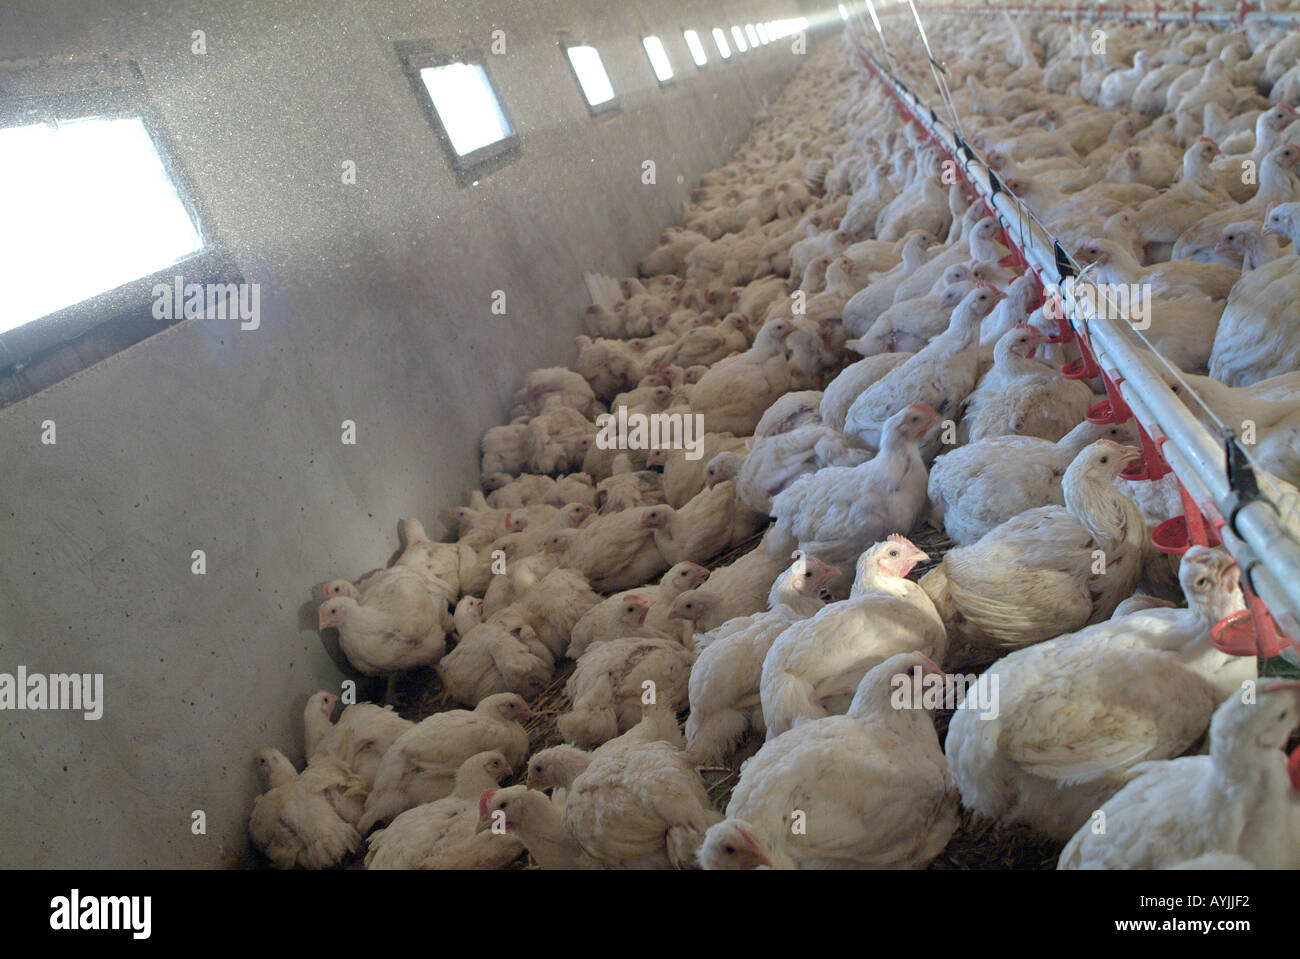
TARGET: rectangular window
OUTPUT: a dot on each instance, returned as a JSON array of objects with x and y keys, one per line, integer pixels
[
  {"x": 753, "y": 37},
  {"x": 467, "y": 106},
  {"x": 696, "y": 47},
  {"x": 461, "y": 103},
  {"x": 844, "y": 14},
  {"x": 87, "y": 206},
  {"x": 739, "y": 37},
  {"x": 762, "y": 34},
  {"x": 591, "y": 75},
  {"x": 95, "y": 215},
  {"x": 720, "y": 41},
  {"x": 658, "y": 56}
]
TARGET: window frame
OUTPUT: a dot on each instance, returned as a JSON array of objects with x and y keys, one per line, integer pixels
[
  {"x": 611, "y": 106},
  {"x": 417, "y": 55},
  {"x": 51, "y": 348},
  {"x": 662, "y": 83}
]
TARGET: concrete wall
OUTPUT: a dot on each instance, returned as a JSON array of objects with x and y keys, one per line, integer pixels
[{"x": 375, "y": 308}]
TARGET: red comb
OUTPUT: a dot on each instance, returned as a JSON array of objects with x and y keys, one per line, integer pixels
[{"x": 1209, "y": 140}]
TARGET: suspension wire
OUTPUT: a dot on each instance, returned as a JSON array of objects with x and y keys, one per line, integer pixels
[
  {"x": 871, "y": 9},
  {"x": 939, "y": 71}
]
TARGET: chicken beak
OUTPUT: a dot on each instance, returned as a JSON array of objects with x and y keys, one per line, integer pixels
[
  {"x": 321, "y": 619},
  {"x": 1269, "y": 231},
  {"x": 483, "y": 825}
]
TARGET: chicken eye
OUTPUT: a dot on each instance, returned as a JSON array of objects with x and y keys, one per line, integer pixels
[
  {"x": 1201, "y": 583},
  {"x": 893, "y": 552},
  {"x": 1105, "y": 459},
  {"x": 729, "y": 850}
]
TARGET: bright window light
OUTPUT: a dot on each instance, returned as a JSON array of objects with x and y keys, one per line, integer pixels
[
  {"x": 753, "y": 37},
  {"x": 467, "y": 105},
  {"x": 696, "y": 47},
  {"x": 739, "y": 37},
  {"x": 762, "y": 34},
  {"x": 654, "y": 49},
  {"x": 591, "y": 75},
  {"x": 720, "y": 41},
  {"x": 86, "y": 206},
  {"x": 785, "y": 28},
  {"x": 844, "y": 14}
]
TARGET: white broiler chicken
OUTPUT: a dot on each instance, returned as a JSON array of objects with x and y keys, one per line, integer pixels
[
  {"x": 556, "y": 767},
  {"x": 838, "y": 512},
  {"x": 725, "y": 676},
  {"x": 737, "y": 589},
  {"x": 1259, "y": 332},
  {"x": 1237, "y": 800},
  {"x": 295, "y": 822},
  {"x": 775, "y": 462},
  {"x": 1030, "y": 399},
  {"x": 614, "y": 678},
  {"x": 683, "y": 476},
  {"x": 1185, "y": 299},
  {"x": 553, "y": 387},
  {"x": 1276, "y": 185},
  {"x": 401, "y": 624},
  {"x": 639, "y": 805},
  {"x": 528, "y": 816},
  {"x": 1077, "y": 712},
  {"x": 1049, "y": 570},
  {"x": 711, "y": 523},
  {"x": 940, "y": 376},
  {"x": 865, "y": 306},
  {"x": 852, "y": 381},
  {"x": 790, "y": 412},
  {"x": 616, "y": 551},
  {"x": 872, "y": 785},
  {"x": 502, "y": 655},
  {"x": 816, "y": 663},
  {"x": 733, "y": 394},
  {"x": 359, "y": 739},
  {"x": 1268, "y": 411},
  {"x": 443, "y": 834},
  {"x": 639, "y": 612},
  {"x": 978, "y": 486},
  {"x": 421, "y": 764},
  {"x": 909, "y": 325}
]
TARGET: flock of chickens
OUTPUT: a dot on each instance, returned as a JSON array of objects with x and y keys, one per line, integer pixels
[{"x": 867, "y": 359}]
